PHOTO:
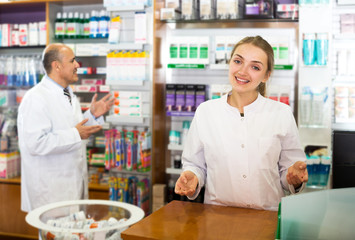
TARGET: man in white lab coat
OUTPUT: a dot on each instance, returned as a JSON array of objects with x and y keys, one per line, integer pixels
[{"x": 52, "y": 130}]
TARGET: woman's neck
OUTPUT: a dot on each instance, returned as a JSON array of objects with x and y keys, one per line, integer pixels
[{"x": 239, "y": 101}]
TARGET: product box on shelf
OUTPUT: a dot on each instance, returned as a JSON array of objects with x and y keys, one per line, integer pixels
[
  {"x": 189, "y": 9},
  {"x": 183, "y": 99},
  {"x": 42, "y": 26},
  {"x": 229, "y": 9},
  {"x": 287, "y": 9},
  {"x": 189, "y": 50},
  {"x": 84, "y": 88},
  {"x": 6, "y": 35},
  {"x": 33, "y": 36},
  {"x": 347, "y": 24},
  {"x": 23, "y": 34},
  {"x": 104, "y": 88},
  {"x": 169, "y": 14},
  {"x": 7, "y": 98},
  {"x": 207, "y": 9},
  {"x": 159, "y": 196},
  {"x": 140, "y": 27},
  {"x": 92, "y": 81},
  {"x": 259, "y": 9},
  {"x": 10, "y": 164}
]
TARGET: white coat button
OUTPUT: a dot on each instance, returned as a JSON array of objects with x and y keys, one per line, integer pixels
[
  {"x": 242, "y": 119},
  {"x": 242, "y": 145},
  {"x": 244, "y": 176}
]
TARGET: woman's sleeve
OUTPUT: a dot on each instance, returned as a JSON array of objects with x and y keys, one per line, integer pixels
[
  {"x": 193, "y": 158},
  {"x": 291, "y": 150}
]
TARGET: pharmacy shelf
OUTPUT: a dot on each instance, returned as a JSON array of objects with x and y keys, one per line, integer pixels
[
  {"x": 226, "y": 67},
  {"x": 118, "y": 84},
  {"x": 175, "y": 171},
  {"x": 126, "y": 46},
  {"x": 129, "y": 85},
  {"x": 101, "y": 49},
  {"x": 128, "y": 120},
  {"x": 271, "y": 20},
  {"x": 346, "y": 126},
  {"x": 137, "y": 7},
  {"x": 317, "y": 187},
  {"x": 175, "y": 147},
  {"x": 23, "y": 47},
  {"x": 344, "y": 36},
  {"x": 180, "y": 114},
  {"x": 126, "y": 172},
  {"x": 347, "y": 80}
]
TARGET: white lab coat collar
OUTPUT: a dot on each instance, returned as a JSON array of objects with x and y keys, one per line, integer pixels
[
  {"x": 247, "y": 109},
  {"x": 57, "y": 89}
]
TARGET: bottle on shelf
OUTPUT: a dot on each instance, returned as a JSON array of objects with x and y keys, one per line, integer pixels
[
  {"x": 15, "y": 35},
  {"x": 77, "y": 24},
  {"x": 65, "y": 21},
  {"x": 87, "y": 25},
  {"x": 59, "y": 27},
  {"x": 10, "y": 67},
  {"x": 81, "y": 25},
  {"x": 177, "y": 161},
  {"x": 94, "y": 25},
  {"x": 103, "y": 24},
  {"x": 71, "y": 31},
  {"x": 2, "y": 72}
]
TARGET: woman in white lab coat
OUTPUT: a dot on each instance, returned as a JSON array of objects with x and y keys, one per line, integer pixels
[
  {"x": 51, "y": 130},
  {"x": 244, "y": 148}
]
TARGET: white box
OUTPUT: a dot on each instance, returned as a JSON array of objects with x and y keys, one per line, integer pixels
[
  {"x": 127, "y": 94},
  {"x": 23, "y": 34},
  {"x": 6, "y": 35},
  {"x": 100, "y": 70},
  {"x": 104, "y": 88},
  {"x": 33, "y": 39},
  {"x": 140, "y": 27},
  {"x": 42, "y": 33}
]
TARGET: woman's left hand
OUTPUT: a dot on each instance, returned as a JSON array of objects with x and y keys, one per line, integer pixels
[{"x": 297, "y": 174}]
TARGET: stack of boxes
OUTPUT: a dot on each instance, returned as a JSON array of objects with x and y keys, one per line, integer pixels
[
  {"x": 159, "y": 191},
  {"x": 31, "y": 34},
  {"x": 10, "y": 164}
]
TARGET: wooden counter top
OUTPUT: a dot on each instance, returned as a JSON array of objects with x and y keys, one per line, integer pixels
[
  {"x": 92, "y": 186},
  {"x": 187, "y": 220}
]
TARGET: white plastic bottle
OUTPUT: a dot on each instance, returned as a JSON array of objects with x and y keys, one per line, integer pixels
[
  {"x": 94, "y": 25},
  {"x": 103, "y": 25}
]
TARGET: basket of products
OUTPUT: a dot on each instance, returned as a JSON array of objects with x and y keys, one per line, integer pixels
[{"x": 84, "y": 219}]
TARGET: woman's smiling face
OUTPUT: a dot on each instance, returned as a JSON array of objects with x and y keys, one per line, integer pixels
[{"x": 248, "y": 68}]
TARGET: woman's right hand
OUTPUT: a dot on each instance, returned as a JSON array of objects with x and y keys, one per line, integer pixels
[{"x": 186, "y": 184}]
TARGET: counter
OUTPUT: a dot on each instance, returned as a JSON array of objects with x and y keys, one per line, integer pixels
[{"x": 187, "y": 220}]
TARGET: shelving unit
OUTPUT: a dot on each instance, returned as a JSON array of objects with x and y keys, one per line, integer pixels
[{"x": 318, "y": 78}]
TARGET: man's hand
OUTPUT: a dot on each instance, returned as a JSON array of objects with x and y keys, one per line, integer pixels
[
  {"x": 86, "y": 131},
  {"x": 186, "y": 184},
  {"x": 99, "y": 108},
  {"x": 297, "y": 174}
]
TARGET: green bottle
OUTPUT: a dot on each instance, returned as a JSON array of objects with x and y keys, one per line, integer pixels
[
  {"x": 76, "y": 25},
  {"x": 87, "y": 25},
  {"x": 65, "y": 22},
  {"x": 59, "y": 26},
  {"x": 71, "y": 26},
  {"x": 81, "y": 25}
]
